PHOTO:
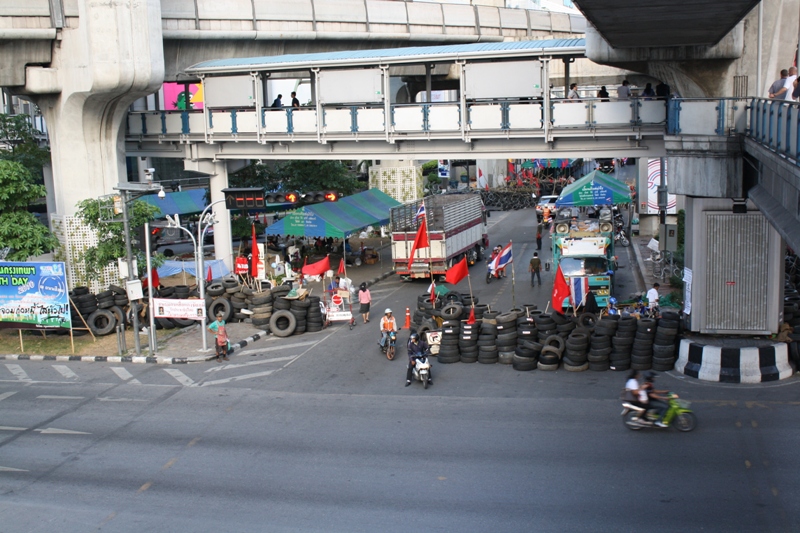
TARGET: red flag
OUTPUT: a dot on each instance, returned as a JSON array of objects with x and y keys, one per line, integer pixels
[
  {"x": 471, "y": 316},
  {"x": 432, "y": 290},
  {"x": 209, "y": 275},
  {"x": 341, "y": 266},
  {"x": 560, "y": 291},
  {"x": 457, "y": 272},
  {"x": 253, "y": 253},
  {"x": 420, "y": 241},
  {"x": 318, "y": 268},
  {"x": 154, "y": 275}
]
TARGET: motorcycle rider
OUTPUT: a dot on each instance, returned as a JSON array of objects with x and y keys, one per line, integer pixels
[
  {"x": 501, "y": 272},
  {"x": 635, "y": 394},
  {"x": 656, "y": 400},
  {"x": 416, "y": 347},
  {"x": 388, "y": 323}
]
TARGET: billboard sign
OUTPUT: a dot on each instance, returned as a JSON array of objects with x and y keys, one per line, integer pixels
[{"x": 33, "y": 296}]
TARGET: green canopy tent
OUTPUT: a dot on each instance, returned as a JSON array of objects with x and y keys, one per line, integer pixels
[
  {"x": 337, "y": 219},
  {"x": 595, "y": 188}
]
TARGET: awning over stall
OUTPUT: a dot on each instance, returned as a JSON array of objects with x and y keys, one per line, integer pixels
[
  {"x": 595, "y": 188},
  {"x": 337, "y": 219}
]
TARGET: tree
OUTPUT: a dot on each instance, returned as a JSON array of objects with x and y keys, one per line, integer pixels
[
  {"x": 19, "y": 229},
  {"x": 301, "y": 176},
  {"x": 111, "y": 235},
  {"x": 18, "y": 143}
]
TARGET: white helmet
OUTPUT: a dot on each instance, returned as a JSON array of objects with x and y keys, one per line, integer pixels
[{"x": 387, "y": 311}]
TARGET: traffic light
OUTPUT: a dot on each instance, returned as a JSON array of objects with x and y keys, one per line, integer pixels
[
  {"x": 244, "y": 198},
  {"x": 298, "y": 198},
  {"x": 138, "y": 241},
  {"x": 317, "y": 197},
  {"x": 282, "y": 198},
  {"x": 331, "y": 196}
]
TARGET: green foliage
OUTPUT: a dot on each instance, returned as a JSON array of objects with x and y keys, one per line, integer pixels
[
  {"x": 16, "y": 132},
  {"x": 430, "y": 167},
  {"x": 241, "y": 227},
  {"x": 19, "y": 229},
  {"x": 301, "y": 176},
  {"x": 111, "y": 235}
]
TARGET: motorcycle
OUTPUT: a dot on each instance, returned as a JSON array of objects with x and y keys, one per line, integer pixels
[
  {"x": 678, "y": 415},
  {"x": 390, "y": 348},
  {"x": 621, "y": 237},
  {"x": 499, "y": 273},
  {"x": 422, "y": 369}
]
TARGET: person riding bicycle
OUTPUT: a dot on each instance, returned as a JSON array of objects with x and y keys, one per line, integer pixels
[
  {"x": 388, "y": 323},
  {"x": 416, "y": 347},
  {"x": 656, "y": 399}
]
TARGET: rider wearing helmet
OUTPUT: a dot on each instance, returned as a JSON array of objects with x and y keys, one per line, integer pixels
[
  {"x": 388, "y": 323},
  {"x": 656, "y": 400},
  {"x": 416, "y": 347}
]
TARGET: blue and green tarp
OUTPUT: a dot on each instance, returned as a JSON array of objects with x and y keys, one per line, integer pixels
[
  {"x": 595, "y": 188},
  {"x": 181, "y": 203},
  {"x": 337, "y": 219}
]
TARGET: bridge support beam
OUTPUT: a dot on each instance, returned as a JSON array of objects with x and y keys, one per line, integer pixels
[
  {"x": 705, "y": 166},
  {"x": 99, "y": 68}
]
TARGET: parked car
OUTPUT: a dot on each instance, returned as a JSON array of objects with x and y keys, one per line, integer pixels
[
  {"x": 546, "y": 201},
  {"x": 605, "y": 165}
]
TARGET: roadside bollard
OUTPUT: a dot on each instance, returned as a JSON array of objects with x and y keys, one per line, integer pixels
[
  {"x": 408, "y": 318},
  {"x": 122, "y": 346}
]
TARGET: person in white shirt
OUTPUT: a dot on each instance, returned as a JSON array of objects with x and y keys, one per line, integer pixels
[
  {"x": 789, "y": 84},
  {"x": 652, "y": 296},
  {"x": 573, "y": 93},
  {"x": 623, "y": 91}
]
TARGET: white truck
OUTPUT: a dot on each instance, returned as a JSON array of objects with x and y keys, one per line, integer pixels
[{"x": 456, "y": 229}]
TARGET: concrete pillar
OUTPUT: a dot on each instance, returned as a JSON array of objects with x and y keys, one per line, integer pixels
[
  {"x": 47, "y": 174},
  {"x": 103, "y": 63},
  {"x": 223, "y": 247}
]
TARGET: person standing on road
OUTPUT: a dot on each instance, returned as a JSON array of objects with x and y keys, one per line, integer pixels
[
  {"x": 220, "y": 337},
  {"x": 364, "y": 299},
  {"x": 535, "y": 269},
  {"x": 652, "y": 297},
  {"x": 539, "y": 236}
]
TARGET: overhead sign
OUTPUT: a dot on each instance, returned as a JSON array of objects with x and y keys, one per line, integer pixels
[
  {"x": 33, "y": 296},
  {"x": 186, "y": 309}
]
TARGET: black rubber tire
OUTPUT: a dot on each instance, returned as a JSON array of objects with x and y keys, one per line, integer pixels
[
  {"x": 220, "y": 304},
  {"x": 185, "y": 322},
  {"x": 599, "y": 367},
  {"x": 282, "y": 323},
  {"x": 215, "y": 289},
  {"x": 102, "y": 322},
  {"x": 555, "y": 341},
  {"x": 587, "y": 320},
  {"x": 452, "y": 311},
  {"x": 577, "y": 368}
]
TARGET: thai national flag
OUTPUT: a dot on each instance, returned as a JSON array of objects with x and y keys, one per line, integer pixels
[
  {"x": 579, "y": 288},
  {"x": 420, "y": 212},
  {"x": 502, "y": 259}
]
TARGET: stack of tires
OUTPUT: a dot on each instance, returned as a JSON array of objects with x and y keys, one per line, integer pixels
[
  {"x": 181, "y": 292},
  {"x": 642, "y": 352},
  {"x": 526, "y": 356},
  {"x": 545, "y": 326},
  {"x": 452, "y": 311},
  {"x": 575, "y": 352},
  {"x": 664, "y": 345},
  {"x": 622, "y": 343},
  {"x": 507, "y": 336},
  {"x": 283, "y": 322},
  {"x": 299, "y": 308},
  {"x": 261, "y": 307},
  {"x": 314, "y": 315},
  {"x": 552, "y": 350},
  {"x": 487, "y": 339},
  {"x": 468, "y": 340},
  {"x": 423, "y": 316},
  {"x": 600, "y": 344},
  {"x": 564, "y": 325},
  {"x": 220, "y": 303},
  {"x": 526, "y": 325},
  {"x": 448, "y": 344},
  {"x": 239, "y": 302}
]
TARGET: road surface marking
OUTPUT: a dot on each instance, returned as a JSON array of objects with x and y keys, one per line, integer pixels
[
  {"x": 259, "y": 362},
  {"x": 9, "y": 469},
  {"x": 7, "y": 395},
  {"x": 193, "y": 442},
  {"x": 120, "y": 400},
  {"x": 281, "y": 347},
  {"x": 238, "y": 378},
  {"x": 56, "y": 431},
  {"x": 145, "y": 486},
  {"x": 18, "y": 372},
  {"x": 169, "y": 463},
  {"x": 181, "y": 378},
  {"x": 747, "y": 464},
  {"x": 49, "y": 397},
  {"x": 11, "y": 428},
  {"x": 65, "y": 371},
  {"x": 124, "y": 375}
]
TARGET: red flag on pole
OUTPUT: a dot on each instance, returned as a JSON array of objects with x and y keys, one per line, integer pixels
[
  {"x": 560, "y": 291},
  {"x": 432, "y": 290},
  {"x": 341, "y": 266},
  {"x": 318, "y": 268},
  {"x": 209, "y": 275},
  {"x": 253, "y": 252},
  {"x": 420, "y": 241},
  {"x": 154, "y": 275},
  {"x": 457, "y": 272},
  {"x": 471, "y": 319}
]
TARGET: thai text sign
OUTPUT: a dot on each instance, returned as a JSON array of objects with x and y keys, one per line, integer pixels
[
  {"x": 33, "y": 296},
  {"x": 187, "y": 309}
]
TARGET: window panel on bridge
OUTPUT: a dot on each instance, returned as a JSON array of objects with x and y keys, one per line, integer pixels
[
  {"x": 699, "y": 118},
  {"x": 370, "y": 120},
  {"x": 173, "y": 122},
  {"x": 246, "y": 121},
  {"x": 221, "y": 121},
  {"x": 525, "y": 116},
  {"x": 652, "y": 111},
  {"x": 613, "y": 113},
  {"x": 570, "y": 114},
  {"x": 338, "y": 120},
  {"x": 485, "y": 116},
  {"x": 304, "y": 121},
  {"x": 408, "y": 118},
  {"x": 444, "y": 117},
  {"x": 276, "y": 121}
]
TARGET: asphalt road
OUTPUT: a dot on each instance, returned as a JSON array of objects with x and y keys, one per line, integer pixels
[{"x": 318, "y": 433}]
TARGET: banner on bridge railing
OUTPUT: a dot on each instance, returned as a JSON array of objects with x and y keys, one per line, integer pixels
[{"x": 33, "y": 296}]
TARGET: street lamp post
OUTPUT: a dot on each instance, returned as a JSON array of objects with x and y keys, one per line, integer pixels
[{"x": 208, "y": 220}]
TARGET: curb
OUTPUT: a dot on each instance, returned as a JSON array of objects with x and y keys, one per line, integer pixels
[
  {"x": 237, "y": 346},
  {"x": 734, "y": 365}
]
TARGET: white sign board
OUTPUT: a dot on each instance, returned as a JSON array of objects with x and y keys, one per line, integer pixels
[
  {"x": 134, "y": 290},
  {"x": 187, "y": 309},
  {"x": 687, "y": 291},
  {"x": 653, "y": 181}
]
